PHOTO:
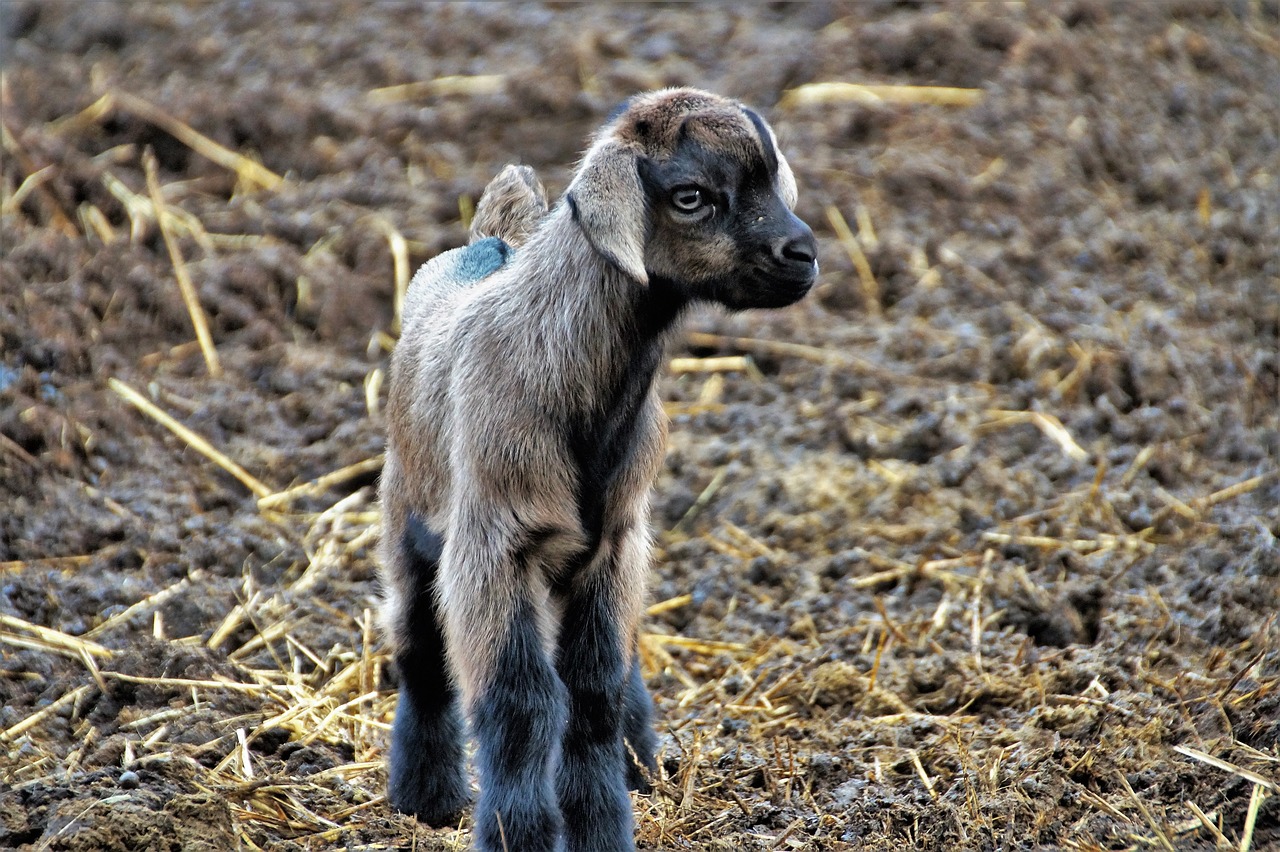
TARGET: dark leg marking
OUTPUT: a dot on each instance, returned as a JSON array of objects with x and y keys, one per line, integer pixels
[
  {"x": 518, "y": 720},
  {"x": 594, "y": 767},
  {"x": 592, "y": 778},
  {"x": 427, "y": 769},
  {"x": 642, "y": 742}
]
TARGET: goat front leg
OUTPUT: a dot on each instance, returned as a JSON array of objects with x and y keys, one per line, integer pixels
[
  {"x": 641, "y": 741},
  {"x": 496, "y": 616},
  {"x": 597, "y": 637},
  {"x": 427, "y": 770}
]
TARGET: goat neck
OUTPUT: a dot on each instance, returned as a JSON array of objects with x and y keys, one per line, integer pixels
[{"x": 595, "y": 323}]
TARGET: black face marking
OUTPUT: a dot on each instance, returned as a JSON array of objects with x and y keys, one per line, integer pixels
[
  {"x": 691, "y": 165},
  {"x": 766, "y": 142},
  {"x": 763, "y": 267}
]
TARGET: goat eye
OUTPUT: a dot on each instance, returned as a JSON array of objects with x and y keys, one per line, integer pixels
[{"x": 687, "y": 199}]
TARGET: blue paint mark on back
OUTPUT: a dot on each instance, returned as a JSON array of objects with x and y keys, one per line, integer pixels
[{"x": 482, "y": 258}]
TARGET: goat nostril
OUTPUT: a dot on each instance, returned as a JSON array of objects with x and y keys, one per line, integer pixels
[{"x": 799, "y": 250}]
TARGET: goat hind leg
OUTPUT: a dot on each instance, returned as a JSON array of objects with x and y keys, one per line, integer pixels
[
  {"x": 641, "y": 741},
  {"x": 427, "y": 769}
]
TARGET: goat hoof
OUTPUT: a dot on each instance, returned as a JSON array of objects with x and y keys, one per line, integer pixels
[
  {"x": 638, "y": 782},
  {"x": 440, "y": 811}
]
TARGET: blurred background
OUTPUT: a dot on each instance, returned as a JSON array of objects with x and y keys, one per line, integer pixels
[{"x": 975, "y": 548}]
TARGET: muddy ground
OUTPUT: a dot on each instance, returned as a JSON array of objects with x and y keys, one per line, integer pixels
[{"x": 978, "y": 551}]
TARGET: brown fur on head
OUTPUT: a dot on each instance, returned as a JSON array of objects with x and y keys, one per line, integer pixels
[{"x": 690, "y": 187}]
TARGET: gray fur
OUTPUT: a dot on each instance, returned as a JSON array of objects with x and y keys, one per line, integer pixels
[{"x": 524, "y": 429}]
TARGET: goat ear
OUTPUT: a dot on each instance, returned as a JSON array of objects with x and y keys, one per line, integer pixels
[{"x": 609, "y": 205}]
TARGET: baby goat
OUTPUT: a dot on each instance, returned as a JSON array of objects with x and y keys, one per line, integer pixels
[{"x": 525, "y": 434}]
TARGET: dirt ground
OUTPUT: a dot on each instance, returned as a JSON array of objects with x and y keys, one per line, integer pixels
[{"x": 977, "y": 550}]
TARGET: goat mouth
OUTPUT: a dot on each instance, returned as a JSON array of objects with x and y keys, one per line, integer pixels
[
  {"x": 792, "y": 276},
  {"x": 795, "y": 291},
  {"x": 777, "y": 290}
]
